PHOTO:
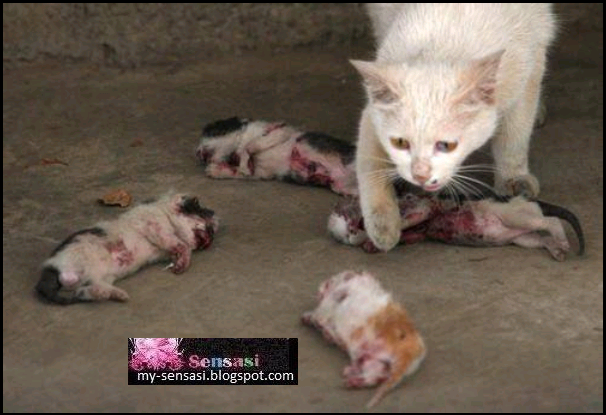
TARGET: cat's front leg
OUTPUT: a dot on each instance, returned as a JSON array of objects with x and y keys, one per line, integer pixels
[
  {"x": 511, "y": 145},
  {"x": 377, "y": 196}
]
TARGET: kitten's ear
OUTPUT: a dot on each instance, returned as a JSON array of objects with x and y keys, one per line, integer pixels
[
  {"x": 479, "y": 80},
  {"x": 380, "y": 89}
]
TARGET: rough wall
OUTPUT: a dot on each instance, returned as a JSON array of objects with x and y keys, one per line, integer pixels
[
  {"x": 138, "y": 33},
  {"x": 132, "y": 34}
]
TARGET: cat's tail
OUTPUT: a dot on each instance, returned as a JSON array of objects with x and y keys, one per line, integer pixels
[{"x": 560, "y": 212}]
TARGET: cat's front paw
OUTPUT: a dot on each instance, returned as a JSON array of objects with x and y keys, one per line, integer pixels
[
  {"x": 527, "y": 186},
  {"x": 383, "y": 226}
]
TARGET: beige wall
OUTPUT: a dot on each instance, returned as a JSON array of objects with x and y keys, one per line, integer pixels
[{"x": 133, "y": 34}]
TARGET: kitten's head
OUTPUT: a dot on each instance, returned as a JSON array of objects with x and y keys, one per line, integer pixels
[
  {"x": 192, "y": 221},
  {"x": 430, "y": 116}
]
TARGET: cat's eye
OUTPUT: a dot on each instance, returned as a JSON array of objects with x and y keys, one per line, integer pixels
[
  {"x": 400, "y": 143},
  {"x": 446, "y": 146}
]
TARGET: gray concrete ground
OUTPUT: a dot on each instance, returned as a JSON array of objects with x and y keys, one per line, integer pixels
[{"x": 508, "y": 329}]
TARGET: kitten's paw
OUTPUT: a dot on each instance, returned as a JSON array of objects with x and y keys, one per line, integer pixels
[
  {"x": 220, "y": 170},
  {"x": 118, "y": 294},
  {"x": 205, "y": 155},
  {"x": 527, "y": 186},
  {"x": 558, "y": 248},
  {"x": 353, "y": 376},
  {"x": 369, "y": 247},
  {"x": 344, "y": 188},
  {"x": 246, "y": 164},
  {"x": 383, "y": 226},
  {"x": 558, "y": 254},
  {"x": 365, "y": 373},
  {"x": 99, "y": 293},
  {"x": 181, "y": 259},
  {"x": 308, "y": 318}
]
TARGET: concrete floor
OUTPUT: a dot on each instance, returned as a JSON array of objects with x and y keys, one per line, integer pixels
[{"x": 508, "y": 329}]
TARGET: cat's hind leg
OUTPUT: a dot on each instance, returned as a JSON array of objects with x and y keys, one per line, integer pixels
[{"x": 511, "y": 145}]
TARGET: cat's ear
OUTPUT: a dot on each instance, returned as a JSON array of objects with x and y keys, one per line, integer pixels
[
  {"x": 376, "y": 79},
  {"x": 479, "y": 80}
]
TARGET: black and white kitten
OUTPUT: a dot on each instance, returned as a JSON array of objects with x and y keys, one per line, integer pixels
[{"x": 86, "y": 264}]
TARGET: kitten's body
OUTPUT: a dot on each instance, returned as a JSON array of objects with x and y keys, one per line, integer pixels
[
  {"x": 484, "y": 222},
  {"x": 237, "y": 148},
  {"x": 448, "y": 77},
  {"x": 85, "y": 266},
  {"x": 356, "y": 313}
]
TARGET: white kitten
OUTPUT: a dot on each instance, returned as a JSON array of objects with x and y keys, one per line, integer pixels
[{"x": 446, "y": 79}]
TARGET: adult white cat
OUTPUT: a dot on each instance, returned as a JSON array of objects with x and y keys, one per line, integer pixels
[{"x": 447, "y": 78}]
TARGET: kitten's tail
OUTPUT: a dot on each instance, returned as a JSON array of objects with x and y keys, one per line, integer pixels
[
  {"x": 563, "y": 213},
  {"x": 403, "y": 367},
  {"x": 396, "y": 377}
]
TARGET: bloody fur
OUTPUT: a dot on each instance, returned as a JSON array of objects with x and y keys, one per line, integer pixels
[
  {"x": 85, "y": 266},
  {"x": 359, "y": 316},
  {"x": 237, "y": 148},
  {"x": 245, "y": 149},
  {"x": 485, "y": 222}
]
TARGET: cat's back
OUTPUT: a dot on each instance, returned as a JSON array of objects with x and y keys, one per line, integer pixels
[{"x": 459, "y": 30}]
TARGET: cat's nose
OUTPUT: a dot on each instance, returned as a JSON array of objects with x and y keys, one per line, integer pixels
[{"x": 421, "y": 178}]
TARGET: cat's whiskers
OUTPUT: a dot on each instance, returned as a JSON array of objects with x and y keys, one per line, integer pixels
[
  {"x": 381, "y": 159},
  {"x": 458, "y": 189},
  {"x": 382, "y": 181},
  {"x": 467, "y": 189},
  {"x": 475, "y": 169},
  {"x": 454, "y": 194},
  {"x": 476, "y": 181},
  {"x": 379, "y": 175}
]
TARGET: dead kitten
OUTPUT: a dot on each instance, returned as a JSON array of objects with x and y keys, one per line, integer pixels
[
  {"x": 485, "y": 222},
  {"x": 85, "y": 265},
  {"x": 237, "y": 148},
  {"x": 359, "y": 316}
]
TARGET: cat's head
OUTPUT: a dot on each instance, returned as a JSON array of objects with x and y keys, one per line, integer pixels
[{"x": 430, "y": 116}]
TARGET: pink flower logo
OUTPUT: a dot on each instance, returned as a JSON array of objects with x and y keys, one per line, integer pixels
[{"x": 156, "y": 354}]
